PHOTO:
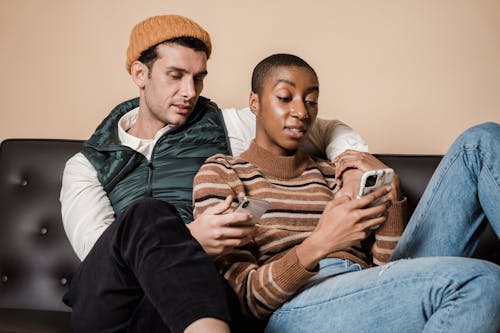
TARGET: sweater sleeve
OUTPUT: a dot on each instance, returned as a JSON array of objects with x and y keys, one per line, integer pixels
[
  {"x": 261, "y": 288},
  {"x": 389, "y": 233}
]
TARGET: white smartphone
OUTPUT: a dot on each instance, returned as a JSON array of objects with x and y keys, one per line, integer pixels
[
  {"x": 256, "y": 207},
  {"x": 373, "y": 180}
]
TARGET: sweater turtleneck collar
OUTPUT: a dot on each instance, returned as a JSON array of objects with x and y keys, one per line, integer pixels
[{"x": 283, "y": 167}]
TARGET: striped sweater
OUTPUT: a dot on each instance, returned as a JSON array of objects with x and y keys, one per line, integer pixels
[{"x": 267, "y": 272}]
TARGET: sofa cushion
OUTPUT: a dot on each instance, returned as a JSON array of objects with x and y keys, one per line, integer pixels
[{"x": 36, "y": 259}]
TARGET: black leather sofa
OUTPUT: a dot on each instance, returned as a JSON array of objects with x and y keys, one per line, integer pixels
[{"x": 36, "y": 259}]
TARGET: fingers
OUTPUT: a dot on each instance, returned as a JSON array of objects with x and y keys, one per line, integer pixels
[
  {"x": 232, "y": 219},
  {"x": 220, "y": 207},
  {"x": 369, "y": 198},
  {"x": 372, "y": 223},
  {"x": 356, "y": 159}
]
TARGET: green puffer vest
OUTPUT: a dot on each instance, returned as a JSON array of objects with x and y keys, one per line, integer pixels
[{"x": 127, "y": 175}]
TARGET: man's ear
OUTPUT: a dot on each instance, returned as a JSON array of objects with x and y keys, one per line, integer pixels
[
  {"x": 254, "y": 103},
  {"x": 139, "y": 73}
]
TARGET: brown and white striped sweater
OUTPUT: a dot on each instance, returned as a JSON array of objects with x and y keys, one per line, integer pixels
[{"x": 267, "y": 272}]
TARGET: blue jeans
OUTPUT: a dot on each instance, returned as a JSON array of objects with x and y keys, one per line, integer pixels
[{"x": 427, "y": 293}]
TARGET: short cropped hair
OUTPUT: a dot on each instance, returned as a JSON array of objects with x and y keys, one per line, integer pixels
[{"x": 263, "y": 68}]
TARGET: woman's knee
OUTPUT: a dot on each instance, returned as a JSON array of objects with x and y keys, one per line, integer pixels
[{"x": 486, "y": 134}]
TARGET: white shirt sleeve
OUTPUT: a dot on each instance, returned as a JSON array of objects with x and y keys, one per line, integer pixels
[
  {"x": 326, "y": 137},
  {"x": 332, "y": 137},
  {"x": 240, "y": 126},
  {"x": 85, "y": 206}
]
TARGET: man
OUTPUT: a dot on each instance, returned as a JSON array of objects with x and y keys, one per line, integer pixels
[{"x": 126, "y": 196}]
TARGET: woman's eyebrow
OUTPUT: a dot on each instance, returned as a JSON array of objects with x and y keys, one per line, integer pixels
[{"x": 311, "y": 89}]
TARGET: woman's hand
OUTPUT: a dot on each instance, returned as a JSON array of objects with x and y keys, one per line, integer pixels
[{"x": 343, "y": 223}]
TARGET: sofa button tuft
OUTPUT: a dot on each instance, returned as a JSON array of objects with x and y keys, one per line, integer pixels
[
  {"x": 63, "y": 281},
  {"x": 44, "y": 231},
  {"x": 24, "y": 182},
  {"x": 4, "y": 278}
]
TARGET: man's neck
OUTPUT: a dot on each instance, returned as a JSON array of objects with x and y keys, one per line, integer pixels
[{"x": 145, "y": 126}]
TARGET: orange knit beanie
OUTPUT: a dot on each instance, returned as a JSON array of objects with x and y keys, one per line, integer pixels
[{"x": 157, "y": 29}]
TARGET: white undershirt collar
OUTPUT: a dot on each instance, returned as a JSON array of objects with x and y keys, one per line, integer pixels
[{"x": 143, "y": 146}]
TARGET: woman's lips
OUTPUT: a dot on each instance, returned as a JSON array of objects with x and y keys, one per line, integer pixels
[{"x": 296, "y": 132}]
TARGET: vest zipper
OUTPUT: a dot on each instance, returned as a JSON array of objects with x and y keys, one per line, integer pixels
[{"x": 149, "y": 190}]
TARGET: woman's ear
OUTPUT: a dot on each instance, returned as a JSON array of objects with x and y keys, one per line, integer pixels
[
  {"x": 139, "y": 73},
  {"x": 254, "y": 103}
]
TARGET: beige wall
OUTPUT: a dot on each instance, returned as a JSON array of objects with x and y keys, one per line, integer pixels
[{"x": 409, "y": 75}]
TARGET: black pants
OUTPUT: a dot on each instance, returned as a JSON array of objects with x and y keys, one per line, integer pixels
[{"x": 146, "y": 273}]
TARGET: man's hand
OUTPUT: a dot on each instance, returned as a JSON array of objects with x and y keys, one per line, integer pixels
[
  {"x": 350, "y": 165},
  {"x": 219, "y": 229}
]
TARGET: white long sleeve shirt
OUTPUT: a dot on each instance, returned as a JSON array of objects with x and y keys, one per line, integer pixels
[{"x": 87, "y": 210}]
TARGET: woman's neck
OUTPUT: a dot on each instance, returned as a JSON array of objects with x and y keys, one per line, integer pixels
[{"x": 277, "y": 166}]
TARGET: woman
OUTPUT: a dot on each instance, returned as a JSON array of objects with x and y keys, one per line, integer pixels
[{"x": 310, "y": 264}]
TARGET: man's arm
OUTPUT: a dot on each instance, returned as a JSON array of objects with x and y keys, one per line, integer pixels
[
  {"x": 85, "y": 206},
  {"x": 332, "y": 137},
  {"x": 326, "y": 138}
]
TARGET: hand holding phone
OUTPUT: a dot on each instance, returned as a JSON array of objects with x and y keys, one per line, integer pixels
[{"x": 256, "y": 207}]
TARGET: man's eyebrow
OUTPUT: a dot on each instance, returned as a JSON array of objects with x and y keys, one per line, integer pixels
[
  {"x": 312, "y": 89},
  {"x": 182, "y": 70}
]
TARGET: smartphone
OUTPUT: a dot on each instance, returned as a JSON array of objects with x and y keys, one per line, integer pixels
[
  {"x": 256, "y": 207},
  {"x": 373, "y": 180}
]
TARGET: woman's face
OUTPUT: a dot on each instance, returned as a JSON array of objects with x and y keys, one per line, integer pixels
[{"x": 285, "y": 108}]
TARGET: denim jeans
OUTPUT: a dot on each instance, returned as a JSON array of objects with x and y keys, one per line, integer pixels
[{"x": 437, "y": 290}]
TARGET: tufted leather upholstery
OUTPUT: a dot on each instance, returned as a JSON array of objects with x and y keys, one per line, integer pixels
[{"x": 36, "y": 259}]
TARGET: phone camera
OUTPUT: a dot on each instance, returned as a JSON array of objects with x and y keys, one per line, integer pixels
[
  {"x": 371, "y": 181},
  {"x": 245, "y": 204}
]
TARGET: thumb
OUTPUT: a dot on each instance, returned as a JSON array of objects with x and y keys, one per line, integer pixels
[{"x": 221, "y": 207}]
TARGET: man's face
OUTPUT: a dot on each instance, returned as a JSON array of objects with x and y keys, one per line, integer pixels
[
  {"x": 285, "y": 108},
  {"x": 174, "y": 84}
]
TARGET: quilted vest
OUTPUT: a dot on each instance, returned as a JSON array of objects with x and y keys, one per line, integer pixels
[{"x": 127, "y": 175}]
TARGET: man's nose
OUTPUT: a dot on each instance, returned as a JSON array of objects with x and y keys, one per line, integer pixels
[{"x": 188, "y": 89}]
